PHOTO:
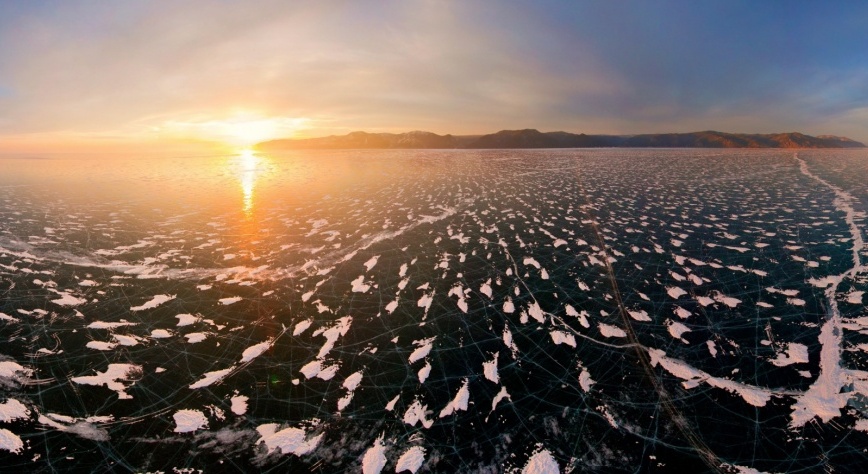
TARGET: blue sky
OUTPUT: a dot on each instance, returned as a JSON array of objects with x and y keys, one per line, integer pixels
[{"x": 100, "y": 71}]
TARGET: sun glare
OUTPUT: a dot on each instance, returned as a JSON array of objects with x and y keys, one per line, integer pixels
[{"x": 238, "y": 132}]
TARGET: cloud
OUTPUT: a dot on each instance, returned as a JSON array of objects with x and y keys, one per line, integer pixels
[{"x": 448, "y": 67}]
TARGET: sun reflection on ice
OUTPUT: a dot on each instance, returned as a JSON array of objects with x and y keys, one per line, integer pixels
[{"x": 249, "y": 170}]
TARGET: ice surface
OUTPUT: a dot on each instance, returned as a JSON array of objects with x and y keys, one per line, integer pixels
[{"x": 569, "y": 310}]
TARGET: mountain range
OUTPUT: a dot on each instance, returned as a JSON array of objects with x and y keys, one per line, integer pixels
[{"x": 531, "y": 138}]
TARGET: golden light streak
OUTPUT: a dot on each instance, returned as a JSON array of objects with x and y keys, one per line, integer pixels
[{"x": 249, "y": 169}]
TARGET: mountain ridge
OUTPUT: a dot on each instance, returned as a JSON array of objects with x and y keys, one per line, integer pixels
[{"x": 532, "y": 138}]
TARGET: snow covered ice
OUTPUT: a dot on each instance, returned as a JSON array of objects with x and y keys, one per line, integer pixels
[{"x": 437, "y": 311}]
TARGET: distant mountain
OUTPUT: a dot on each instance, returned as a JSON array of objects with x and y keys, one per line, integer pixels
[
  {"x": 844, "y": 141},
  {"x": 415, "y": 139},
  {"x": 531, "y": 138}
]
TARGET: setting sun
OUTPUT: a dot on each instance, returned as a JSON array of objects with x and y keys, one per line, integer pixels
[{"x": 238, "y": 131}]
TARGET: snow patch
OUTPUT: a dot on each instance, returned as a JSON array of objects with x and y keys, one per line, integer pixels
[
  {"x": 12, "y": 409},
  {"x": 639, "y": 315},
  {"x": 359, "y": 285},
  {"x": 423, "y": 347},
  {"x": 288, "y": 440},
  {"x": 255, "y": 351},
  {"x": 186, "y": 319},
  {"x": 375, "y": 458},
  {"x": 228, "y": 301},
  {"x": 113, "y": 378},
  {"x": 692, "y": 377},
  {"x": 153, "y": 302},
  {"x": 10, "y": 441},
  {"x": 187, "y": 421},
  {"x": 675, "y": 292},
  {"x": 239, "y": 404},
  {"x": 611, "y": 331},
  {"x": 561, "y": 337},
  {"x": 541, "y": 463},
  {"x": 417, "y": 413},
  {"x": 411, "y": 460},
  {"x": 210, "y": 378},
  {"x": 489, "y": 369},
  {"x": 794, "y": 354},
  {"x": 459, "y": 402}
]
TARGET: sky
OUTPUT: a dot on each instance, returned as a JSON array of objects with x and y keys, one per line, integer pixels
[{"x": 95, "y": 75}]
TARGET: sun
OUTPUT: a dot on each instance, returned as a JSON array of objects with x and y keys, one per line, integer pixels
[
  {"x": 239, "y": 132},
  {"x": 248, "y": 159},
  {"x": 248, "y": 132}
]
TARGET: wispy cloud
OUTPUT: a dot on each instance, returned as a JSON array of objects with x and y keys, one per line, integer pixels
[{"x": 461, "y": 67}]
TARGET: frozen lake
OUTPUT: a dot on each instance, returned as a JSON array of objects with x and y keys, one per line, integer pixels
[{"x": 435, "y": 311}]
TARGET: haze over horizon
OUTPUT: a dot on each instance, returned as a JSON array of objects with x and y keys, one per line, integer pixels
[{"x": 164, "y": 75}]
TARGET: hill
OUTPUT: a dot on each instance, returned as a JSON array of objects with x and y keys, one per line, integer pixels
[{"x": 531, "y": 138}]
